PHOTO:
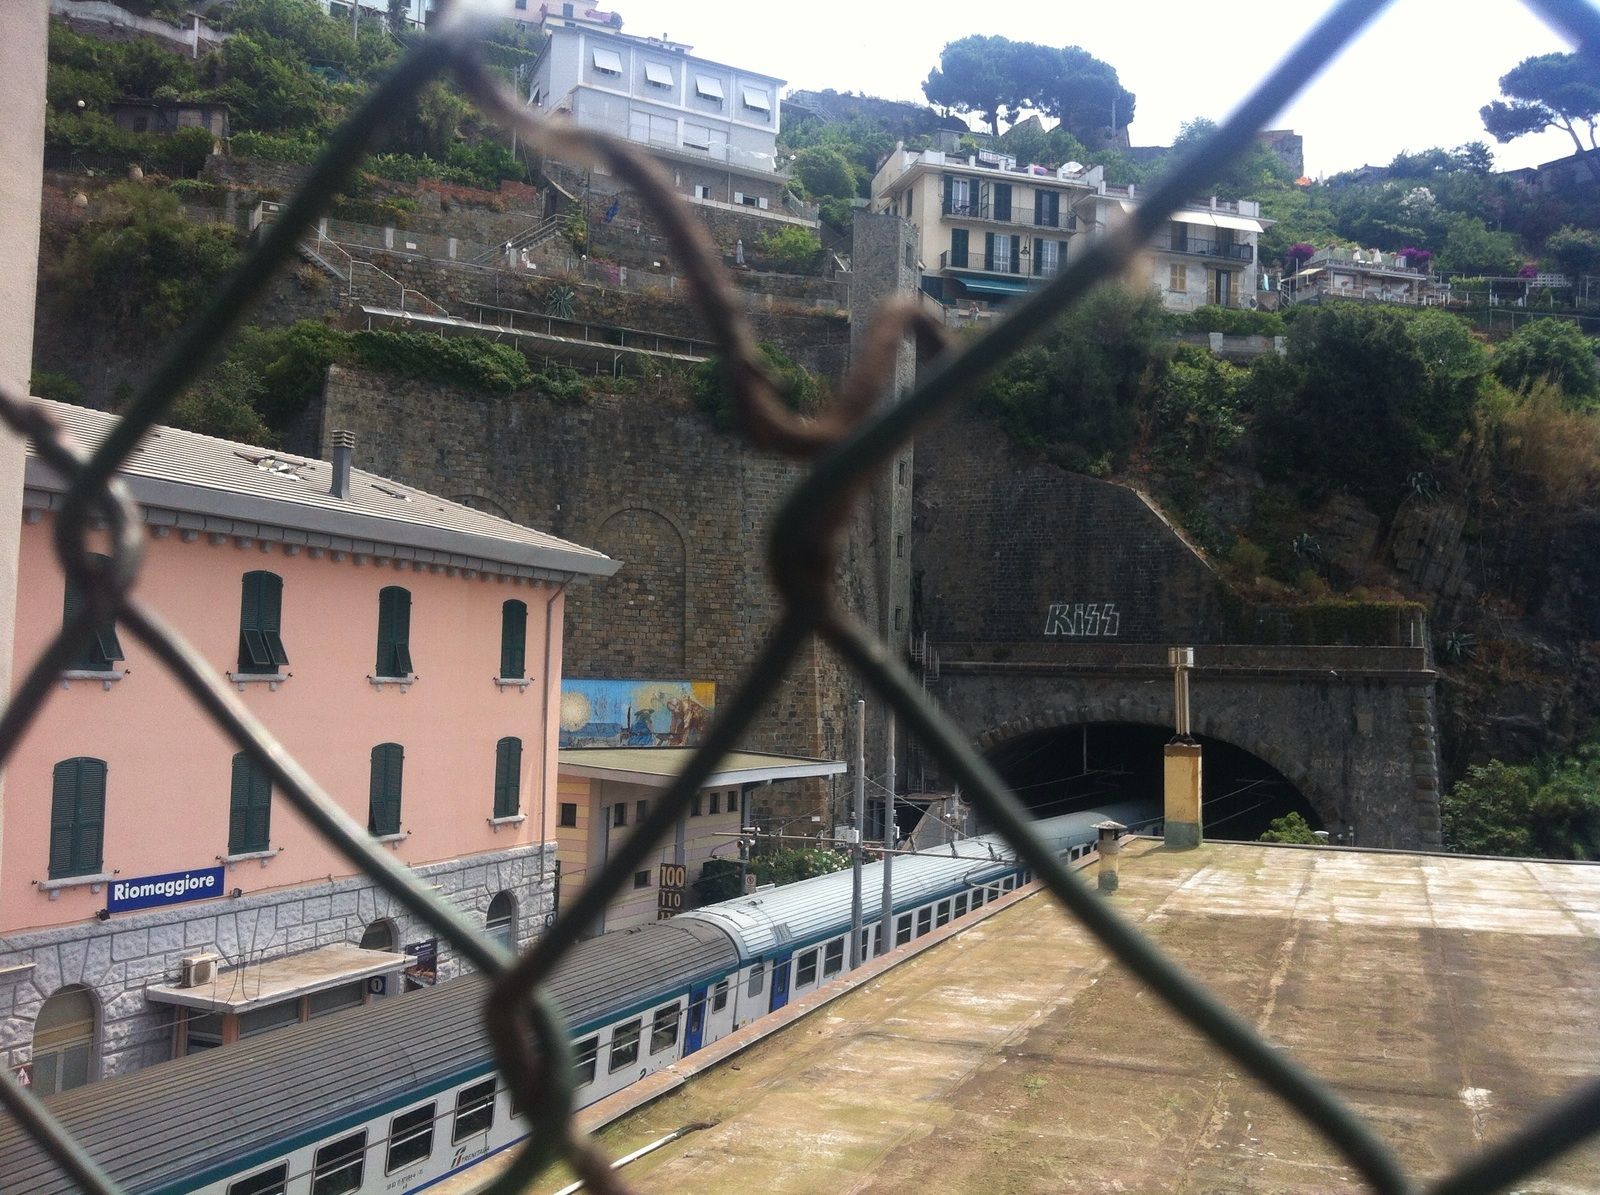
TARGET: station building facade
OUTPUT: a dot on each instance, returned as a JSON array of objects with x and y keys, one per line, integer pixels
[{"x": 157, "y": 896}]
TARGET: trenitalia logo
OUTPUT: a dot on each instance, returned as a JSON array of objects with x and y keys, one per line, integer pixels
[{"x": 148, "y": 892}]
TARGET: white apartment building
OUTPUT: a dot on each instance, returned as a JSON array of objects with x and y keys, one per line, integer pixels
[
  {"x": 714, "y": 125},
  {"x": 989, "y": 230}
]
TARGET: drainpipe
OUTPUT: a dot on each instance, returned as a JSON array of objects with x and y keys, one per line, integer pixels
[{"x": 544, "y": 726}]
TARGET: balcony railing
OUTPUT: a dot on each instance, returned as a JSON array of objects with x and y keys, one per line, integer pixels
[
  {"x": 1025, "y": 266},
  {"x": 1201, "y": 247},
  {"x": 1025, "y": 216}
]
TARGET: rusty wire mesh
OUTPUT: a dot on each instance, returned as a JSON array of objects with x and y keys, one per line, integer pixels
[{"x": 846, "y": 448}]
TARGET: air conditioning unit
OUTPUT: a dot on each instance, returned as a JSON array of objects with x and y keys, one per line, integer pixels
[{"x": 198, "y": 970}]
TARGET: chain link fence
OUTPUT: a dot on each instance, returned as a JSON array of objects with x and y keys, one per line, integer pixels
[{"x": 845, "y": 448}]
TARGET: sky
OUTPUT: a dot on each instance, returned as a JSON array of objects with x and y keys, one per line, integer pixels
[{"x": 1415, "y": 78}]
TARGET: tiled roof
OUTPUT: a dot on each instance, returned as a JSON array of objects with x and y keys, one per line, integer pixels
[{"x": 224, "y": 482}]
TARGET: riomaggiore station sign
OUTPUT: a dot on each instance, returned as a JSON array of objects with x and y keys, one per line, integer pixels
[{"x": 174, "y": 888}]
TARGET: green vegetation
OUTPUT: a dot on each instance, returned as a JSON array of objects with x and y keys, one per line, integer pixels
[
  {"x": 1550, "y": 91},
  {"x": 270, "y": 375},
  {"x": 790, "y": 247},
  {"x": 1291, "y": 827},
  {"x": 708, "y": 386},
  {"x": 289, "y": 74},
  {"x": 1549, "y": 809},
  {"x": 1369, "y": 395},
  {"x": 142, "y": 269},
  {"x": 993, "y": 75},
  {"x": 1553, "y": 349},
  {"x": 719, "y": 878}
]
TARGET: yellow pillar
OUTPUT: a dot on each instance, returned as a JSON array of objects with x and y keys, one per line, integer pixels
[{"x": 1181, "y": 772}]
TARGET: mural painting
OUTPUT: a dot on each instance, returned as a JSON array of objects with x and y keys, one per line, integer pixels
[{"x": 635, "y": 713}]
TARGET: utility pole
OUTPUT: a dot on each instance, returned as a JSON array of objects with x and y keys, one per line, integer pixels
[
  {"x": 886, "y": 925},
  {"x": 860, "y": 817}
]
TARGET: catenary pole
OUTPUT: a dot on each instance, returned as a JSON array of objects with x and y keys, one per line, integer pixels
[
  {"x": 886, "y": 923},
  {"x": 860, "y": 817}
]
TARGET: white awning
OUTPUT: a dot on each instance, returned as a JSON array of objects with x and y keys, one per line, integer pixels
[
  {"x": 658, "y": 73},
  {"x": 1240, "y": 223},
  {"x": 657, "y": 767},
  {"x": 1195, "y": 218},
  {"x": 755, "y": 98},
  {"x": 708, "y": 87},
  {"x": 608, "y": 60}
]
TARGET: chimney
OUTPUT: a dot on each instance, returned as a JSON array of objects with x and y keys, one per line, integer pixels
[{"x": 344, "y": 447}]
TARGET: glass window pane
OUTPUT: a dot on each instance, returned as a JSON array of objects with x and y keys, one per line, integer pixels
[
  {"x": 410, "y": 1138},
  {"x": 273, "y": 1181},
  {"x": 474, "y": 1110},
  {"x": 625, "y": 1045},
  {"x": 664, "y": 1029},
  {"x": 339, "y": 1167}
]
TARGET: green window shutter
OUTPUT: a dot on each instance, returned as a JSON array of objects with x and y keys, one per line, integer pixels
[
  {"x": 383, "y": 808},
  {"x": 260, "y": 608},
  {"x": 988, "y": 250},
  {"x": 507, "y": 777},
  {"x": 394, "y": 631},
  {"x": 249, "y": 807},
  {"x": 103, "y": 648},
  {"x": 958, "y": 248},
  {"x": 1016, "y": 254},
  {"x": 513, "y": 639},
  {"x": 77, "y": 817}
]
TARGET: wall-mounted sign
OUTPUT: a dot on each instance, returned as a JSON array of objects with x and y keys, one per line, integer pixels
[
  {"x": 669, "y": 893},
  {"x": 424, "y": 968},
  {"x": 635, "y": 713},
  {"x": 173, "y": 888}
]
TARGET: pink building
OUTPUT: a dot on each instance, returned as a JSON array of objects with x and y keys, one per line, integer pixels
[{"x": 156, "y": 896}]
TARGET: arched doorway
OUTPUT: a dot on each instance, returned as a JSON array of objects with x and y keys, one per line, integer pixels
[
  {"x": 63, "y": 1040},
  {"x": 1061, "y": 769},
  {"x": 379, "y": 935},
  {"x": 501, "y": 921}
]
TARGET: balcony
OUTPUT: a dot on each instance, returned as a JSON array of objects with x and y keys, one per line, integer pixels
[
  {"x": 1016, "y": 215},
  {"x": 1025, "y": 267},
  {"x": 1201, "y": 247}
]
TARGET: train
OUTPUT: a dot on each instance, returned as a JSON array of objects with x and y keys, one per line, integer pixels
[{"x": 403, "y": 1094}]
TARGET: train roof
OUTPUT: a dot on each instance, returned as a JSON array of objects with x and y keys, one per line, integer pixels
[
  {"x": 173, "y": 1120},
  {"x": 804, "y": 912}
]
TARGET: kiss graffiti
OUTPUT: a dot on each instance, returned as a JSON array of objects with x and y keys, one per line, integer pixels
[{"x": 1092, "y": 618}]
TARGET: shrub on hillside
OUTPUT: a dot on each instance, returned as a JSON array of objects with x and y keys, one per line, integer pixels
[
  {"x": 1551, "y": 348},
  {"x": 1549, "y": 810},
  {"x": 708, "y": 386},
  {"x": 1291, "y": 827}
]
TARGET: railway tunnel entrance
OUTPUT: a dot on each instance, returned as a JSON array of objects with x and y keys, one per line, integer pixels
[{"x": 1062, "y": 769}]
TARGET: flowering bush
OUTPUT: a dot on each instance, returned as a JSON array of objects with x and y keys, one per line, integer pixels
[
  {"x": 1417, "y": 259},
  {"x": 1299, "y": 253}
]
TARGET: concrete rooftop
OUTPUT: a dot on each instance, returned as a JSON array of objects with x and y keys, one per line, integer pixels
[{"x": 1445, "y": 998}]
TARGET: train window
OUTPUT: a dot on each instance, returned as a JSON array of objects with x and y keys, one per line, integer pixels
[
  {"x": 866, "y": 944},
  {"x": 924, "y": 921},
  {"x": 758, "y": 980},
  {"x": 877, "y": 938},
  {"x": 410, "y": 1138},
  {"x": 805, "y": 970},
  {"x": 961, "y": 905},
  {"x": 712, "y": 802},
  {"x": 664, "y": 1029},
  {"x": 902, "y": 929},
  {"x": 269, "y": 1182},
  {"x": 944, "y": 913},
  {"x": 339, "y": 1167},
  {"x": 624, "y": 1046},
  {"x": 833, "y": 957},
  {"x": 586, "y": 1051},
  {"x": 977, "y": 898},
  {"x": 719, "y": 996},
  {"x": 475, "y": 1109}
]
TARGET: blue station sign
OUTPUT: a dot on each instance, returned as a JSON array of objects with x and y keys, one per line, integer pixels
[{"x": 174, "y": 888}]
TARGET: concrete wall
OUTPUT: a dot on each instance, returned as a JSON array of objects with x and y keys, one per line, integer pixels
[{"x": 1009, "y": 548}]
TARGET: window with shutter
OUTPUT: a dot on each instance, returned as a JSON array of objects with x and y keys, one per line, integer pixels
[
  {"x": 513, "y": 639},
  {"x": 394, "y": 631},
  {"x": 249, "y": 807},
  {"x": 383, "y": 804},
  {"x": 507, "y": 777},
  {"x": 260, "y": 615},
  {"x": 958, "y": 248},
  {"x": 77, "y": 817},
  {"x": 103, "y": 648}
]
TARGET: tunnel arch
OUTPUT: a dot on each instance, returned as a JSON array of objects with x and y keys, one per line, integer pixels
[{"x": 1152, "y": 719}]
